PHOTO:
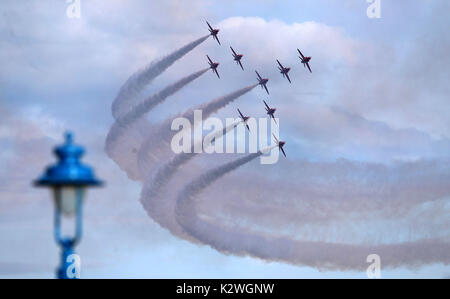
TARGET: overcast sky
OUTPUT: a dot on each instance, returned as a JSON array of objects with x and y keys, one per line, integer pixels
[{"x": 367, "y": 132}]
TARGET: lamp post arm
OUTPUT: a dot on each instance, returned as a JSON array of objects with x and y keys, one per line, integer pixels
[{"x": 79, "y": 217}]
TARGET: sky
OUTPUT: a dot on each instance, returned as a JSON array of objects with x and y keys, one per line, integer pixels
[{"x": 367, "y": 137}]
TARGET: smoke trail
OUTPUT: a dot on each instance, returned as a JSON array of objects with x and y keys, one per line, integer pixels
[
  {"x": 136, "y": 83},
  {"x": 148, "y": 104},
  {"x": 148, "y": 156},
  {"x": 322, "y": 255},
  {"x": 162, "y": 210},
  {"x": 115, "y": 146},
  {"x": 152, "y": 101},
  {"x": 212, "y": 175},
  {"x": 215, "y": 105}
]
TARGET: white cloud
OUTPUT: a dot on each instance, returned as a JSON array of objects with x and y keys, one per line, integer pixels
[{"x": 31, "y": 123}]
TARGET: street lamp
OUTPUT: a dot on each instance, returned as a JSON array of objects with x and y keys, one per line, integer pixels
[{"x": 68, "y": 179}]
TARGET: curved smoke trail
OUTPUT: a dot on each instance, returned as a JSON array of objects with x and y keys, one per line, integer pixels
[
  {"x": 123, "y": 103},
  {"x": 135, "y": 128},
  {"x": 152, "y": 152},
  {"x": 323, "y": 255},
  {"x": 160, "y": 209},
  {"x": 151, "y": 102}
]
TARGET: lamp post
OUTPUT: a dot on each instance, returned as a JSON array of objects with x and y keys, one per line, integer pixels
[{"x": 68, "y": 179}]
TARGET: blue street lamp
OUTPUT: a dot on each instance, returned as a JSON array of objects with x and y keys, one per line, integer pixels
[{"x": 68, "y": 179}]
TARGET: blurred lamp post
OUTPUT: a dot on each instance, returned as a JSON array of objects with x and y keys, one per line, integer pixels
[{"x": 68, "y": 179}]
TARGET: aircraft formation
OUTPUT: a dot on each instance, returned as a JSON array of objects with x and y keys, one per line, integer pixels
[{"x": 284, "y": 71}]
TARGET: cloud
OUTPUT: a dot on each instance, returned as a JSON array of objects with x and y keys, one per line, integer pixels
[
  {"x": 399, "y": 82},
  {"x": 281, "y": 40},
  {"x": 103, "y": 36},
  {"x": 321, "y": 132},
  {"x": 26, "y": 137},
  {"x": 32, "y": 122}
]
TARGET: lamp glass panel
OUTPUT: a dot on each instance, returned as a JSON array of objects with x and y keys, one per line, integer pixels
[{"x": 66, "y": 198}]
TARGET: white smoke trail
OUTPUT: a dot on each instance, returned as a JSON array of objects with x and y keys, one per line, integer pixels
[
  {"x": 123, "y": 102},
  {"x": 161, "y": 209},
  {"x": 122, "y": 143},
  {"x": 152, "y": 101},
  {"x": 323, "y": 255},
  {"x": 151, "y": 152}
]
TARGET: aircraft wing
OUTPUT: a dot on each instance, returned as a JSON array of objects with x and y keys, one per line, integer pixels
[
  {"x": 265, "y": 87},
  {"x": 217, "y": 39},
  {"x": 233, "y": 51},
  {"x": 242, "y": 116},
  {"x": 241, "y": 65},
  {"x": 209, "y": 25},
  {"x": 209, "y": 59},
  {"x": 276, "y": 139},
  {"x": 283, "y": 151},
  {"x": 248, "y": 128},
  {"x": 303, "y": 57},
  {"x": 258, "y": 75},
  {"x": 273, "y": 118},
  {"x": 217, "y": 73},
  {"x": 280, "y": 64},
  {"x": 267, "y": 106},
  {"x": 307, "y": 64},
  {"x": 289, "y": 79}
]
